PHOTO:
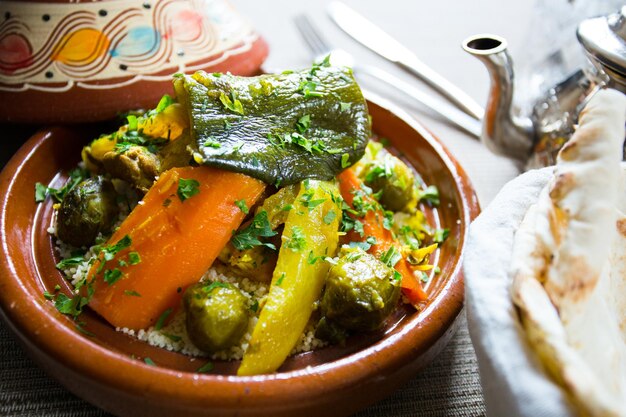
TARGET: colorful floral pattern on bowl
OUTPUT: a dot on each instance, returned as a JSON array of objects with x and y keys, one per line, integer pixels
[{"x": 52, "y": 50}]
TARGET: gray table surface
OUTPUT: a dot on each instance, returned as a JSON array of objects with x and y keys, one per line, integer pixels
[{"x": 450, "y": 386}]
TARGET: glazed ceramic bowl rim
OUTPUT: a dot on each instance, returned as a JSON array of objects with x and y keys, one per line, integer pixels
[{"x": 96, "y": 361}]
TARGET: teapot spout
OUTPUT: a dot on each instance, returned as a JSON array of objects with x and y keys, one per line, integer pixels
[{"x": 503, "y": 132}]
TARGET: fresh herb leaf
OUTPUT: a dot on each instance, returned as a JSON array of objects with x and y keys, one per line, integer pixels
[
  {"x": 209, "y": 143},
  {"x": 345, "y": 106},
  {"x": 287, "y": 207},
  {"x": 303, "y": 123},
  {"x": 297, "y": 241},
  {"x": 242, "y": 206},
  {"x": 254, "y": 307},
  {"x": 279, "y": 281},
  {"x": 132, "y": 293},
  {"x": 440, "y": 235},
  {"x": 111, "y": 276},
  {"x": 110, "y": 251},
  {"x": 391, "y": 257},
  {"x": 84, "y": 331},
  {"x": 149, "y": 361},
  {"x": 213, "y": 285},
  {"x": 345, "y": 160},
  {"x": 248, "y": 237},
  {"x": 207, "y": 367},
  {"x": 309, "y": 89},
  {"x": 429, "y": 195},
  {"x": 227, "y": 124},
  {"x": 358, "y": 227},
  {"x": 76, "y": 260},
  {"x": 161, "y": 320},
  {"x": 187, "y": 188},
  {"x": 48, "y": 296},
  {"x": 134, "y": 258},
  {"x": 172, "y": 337},
  {"x": 329, "y": 217},
  {"x": 164, "y": 103},
  {"x": 388, "y": 220},
  {"x": 132, "y": 122},
  {"x": 40, "y": 192},
  {"x": 232, "y": 103}
]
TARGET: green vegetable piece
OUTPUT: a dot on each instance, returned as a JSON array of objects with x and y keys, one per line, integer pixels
[
  {"x": 87, "y": 209},
  {"x": 291, "y": 131},
  {"x": 217, "y": 316},
  {"x": 360, "y": 291}
]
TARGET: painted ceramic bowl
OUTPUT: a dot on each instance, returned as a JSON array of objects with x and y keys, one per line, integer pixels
[
  {"x": 107, "y": 369},
  {"x": 65, "y": 61}
]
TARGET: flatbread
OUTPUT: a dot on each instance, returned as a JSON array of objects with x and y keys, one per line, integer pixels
[{"x": 569, "y": 263}]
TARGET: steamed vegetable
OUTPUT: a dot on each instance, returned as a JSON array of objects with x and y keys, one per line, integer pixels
[
  {"x": 388, "y": 175},
  {"x": 370, "y": 222},
  {"x": 176, "y": 233},
  {"x": 360, "y": 292},
  {"x": 310, "y": 234},
  {"x": 88, "y": 209},
  {"x": 280, "y": 128},
  {"x": 217, "y": 315}
]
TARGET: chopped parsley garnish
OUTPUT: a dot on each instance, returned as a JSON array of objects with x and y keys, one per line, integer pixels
[
  {"x": 210, "y": 143},
  {"x": 172, "y": 337},
  {"x": 297, "y": 241},
  {"x": 429, "y": 195},
  {"x": 164, "y": 103},
  {"x": 149, "y": 361},
  {"x": 391, "y": 257},
  {"x": 358, "y": 227},
  {"x": 72, "y": 306},
  {"x": 388, "y": 220},
  {"x": 254, "y": 307},
  {"x": 132, "y": 122},
  {"x": 329, "y": 217},
  {"x": 303, "y": 123},
  {"x": 75, "y": 260},
  {"x": 440, "y": 235},
  {"x": 213, "y": 285},
  {"x": 48, "y": 296},
  {"x": 132, "y": 293},
  {"x": 227, "y": 124},
  {"x": 279, "y": 281},
  {"x": 40, "y": 192},
  {"x": 110, "y": 251},
  {"x": 161, "y": 321},
  {"x": 76, "y": 176},
  {"x": 248, "y": 237},
  {"x": 371, "y": 240},
  {"x": 309, "y": 89},
  {"x": 187, "y": 188},
  {"x": 287, "y": 207},
  {"x": 207, "y": 367},
  {"x": 424, "y": 276},
  {"x": 345, "y": 160},
  {"x": 231, "y": 102},
  {"x": 242, "y": 206},
  {"x": 80, "y": 327},
  {"x": 311, "y": 259},
  {"x": 111, "y": 276},
  {"x": 345, "y": 106},
  {"x": 134, "y": 258}
]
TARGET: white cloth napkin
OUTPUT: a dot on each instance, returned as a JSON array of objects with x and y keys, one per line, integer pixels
[{"x": 513, "y": 380}]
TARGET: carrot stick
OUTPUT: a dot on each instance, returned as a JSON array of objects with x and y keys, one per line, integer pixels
[
  {"x": 373, "y": 226},
  {"x": 167, "y": 244}
]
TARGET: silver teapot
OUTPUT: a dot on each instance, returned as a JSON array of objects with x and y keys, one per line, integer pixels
[{"x": 536, "y": 139}]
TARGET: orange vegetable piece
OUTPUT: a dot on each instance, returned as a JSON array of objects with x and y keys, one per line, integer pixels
[
  {"x": 373, "y": 226},
  {"x": 177, "y": 242}
]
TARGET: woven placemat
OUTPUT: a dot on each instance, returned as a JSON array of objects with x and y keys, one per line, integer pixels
[{"x": 448, "y": 387}]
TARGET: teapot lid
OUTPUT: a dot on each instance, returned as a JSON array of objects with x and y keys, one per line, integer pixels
[{"x": 604, "y": 39}]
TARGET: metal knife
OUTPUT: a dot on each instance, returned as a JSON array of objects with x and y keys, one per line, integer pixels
[{"x": 374, "y": 38}]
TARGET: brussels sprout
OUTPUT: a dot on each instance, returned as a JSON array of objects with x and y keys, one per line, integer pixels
[
  {"x": 88, "y": 209},
  {"x": 392, "y": 177},
  {"x": 217, "y": 315},
  {"x": 360, "y": 291}
]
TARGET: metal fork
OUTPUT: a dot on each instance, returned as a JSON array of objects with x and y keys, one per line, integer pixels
[{"x": 320, "y": 48}]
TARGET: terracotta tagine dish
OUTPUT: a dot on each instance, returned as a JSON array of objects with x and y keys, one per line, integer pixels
[{"x": 79, "y": 61}]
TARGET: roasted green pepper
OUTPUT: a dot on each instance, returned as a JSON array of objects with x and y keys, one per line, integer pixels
[{"x": 280, "y": 128}]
